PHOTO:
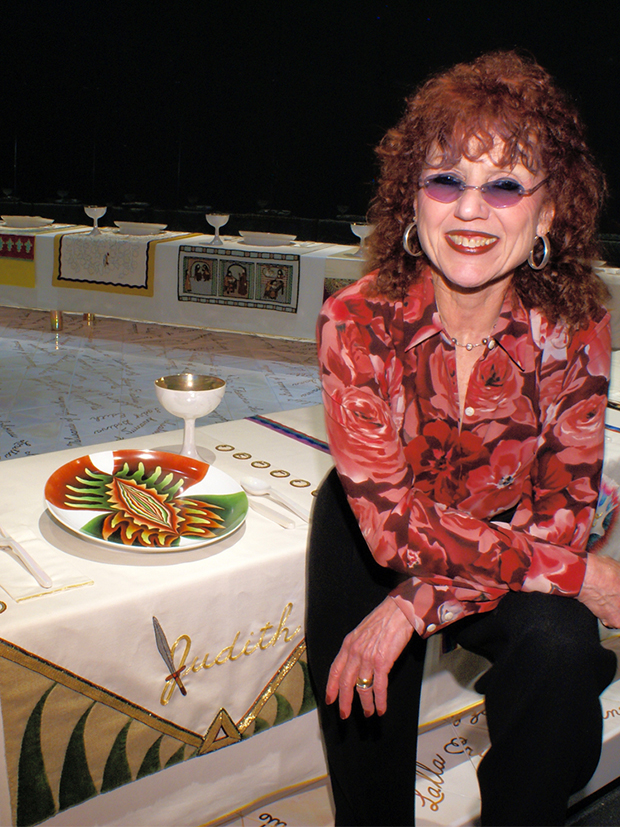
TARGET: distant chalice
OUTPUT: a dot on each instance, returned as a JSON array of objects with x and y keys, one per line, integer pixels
[
  {"x": 190, "y": 396},
  {"x": 95, "y": 213},
  {"x": 361, "y": 231},
  {"x": 217, "y": 220}
]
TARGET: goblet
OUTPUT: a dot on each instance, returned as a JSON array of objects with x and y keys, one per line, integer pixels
[
  {"x": 216, "y": 220},
  {"x": 95, "y": 213},
  {"x": 189, "y": 396},
  {"x": 361, "y": 231}
]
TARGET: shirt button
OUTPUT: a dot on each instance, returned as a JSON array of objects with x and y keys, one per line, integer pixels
[
  {"x": 469, "y": 411},
  {"x": 431, "y": 627},
  {"x": 449, "y": 615}
]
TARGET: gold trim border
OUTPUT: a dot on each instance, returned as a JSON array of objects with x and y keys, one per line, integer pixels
[
  {"x": 91, "y": 690},
  {"x": 271, "y": 687},
  {"x": 209, "y": 742},
  {"x": 450, "y": 716}
]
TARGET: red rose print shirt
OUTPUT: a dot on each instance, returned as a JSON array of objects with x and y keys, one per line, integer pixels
[{"x": 430, "y": 492}]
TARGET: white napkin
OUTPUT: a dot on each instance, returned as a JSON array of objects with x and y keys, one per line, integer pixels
[{"x": 17, "y": 581}]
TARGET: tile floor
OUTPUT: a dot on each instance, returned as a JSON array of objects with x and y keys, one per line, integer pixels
[{"x": 93, "y": 383}]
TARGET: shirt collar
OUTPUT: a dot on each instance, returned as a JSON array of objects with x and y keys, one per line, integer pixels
[
  {"x": 512, "y": 326},
  {"x": 421, "y": 311}
]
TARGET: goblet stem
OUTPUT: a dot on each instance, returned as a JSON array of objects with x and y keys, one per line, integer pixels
[{"x": 189, "y": 440}]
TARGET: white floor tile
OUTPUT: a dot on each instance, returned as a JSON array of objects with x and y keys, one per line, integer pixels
[{"x": 85, "y": 384}]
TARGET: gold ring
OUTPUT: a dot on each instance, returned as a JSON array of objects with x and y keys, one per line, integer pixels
[{"x": 364, "y": 683}]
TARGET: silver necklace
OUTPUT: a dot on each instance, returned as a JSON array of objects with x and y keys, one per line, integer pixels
[
  {"x": 486, "y": 342},
  {"x": 471, "y": 345}
]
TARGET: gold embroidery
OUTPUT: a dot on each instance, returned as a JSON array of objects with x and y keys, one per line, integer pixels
[
  {"x": 222, "y": 721},
  {"x": 271, "y": 687},
  {"x": 184, "y": 643},
  {"x": 149, "y": 743}
]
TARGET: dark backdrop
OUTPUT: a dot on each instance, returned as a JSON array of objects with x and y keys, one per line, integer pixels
[{"x": 237, "y": 105}]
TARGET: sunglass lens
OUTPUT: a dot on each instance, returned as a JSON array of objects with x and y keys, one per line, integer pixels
[
  {"x": 504, "y": 193},
  {"x": 443, "y": 188}
]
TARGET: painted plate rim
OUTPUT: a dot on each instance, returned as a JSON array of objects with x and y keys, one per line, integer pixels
[
  {"x": 260, "y": 239},
  {"x": 212, "y": 477},
  {"x": 25, "y": 222},
  {"x": 139, "y": 228}
]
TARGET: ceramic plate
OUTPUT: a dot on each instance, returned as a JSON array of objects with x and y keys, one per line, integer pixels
[
  {"x": 137, "y": 228},
  {"x": 266, "y": 239},
  {"x": 26, "y": 222},
  {"x": 145, "y": 500}
]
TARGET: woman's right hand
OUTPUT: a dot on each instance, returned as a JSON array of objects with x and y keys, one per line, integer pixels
[
  {"x": 600, "y": 591},
  {"x": 369, "y": 652}
]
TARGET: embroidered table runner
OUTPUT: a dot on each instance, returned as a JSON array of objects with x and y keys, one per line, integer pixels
[
  {"x": 17, "y": 252},
  {"x": 89, "y": 705},
  {"x": 240, "y": 275},
  {"x": 112, "y": 261}
]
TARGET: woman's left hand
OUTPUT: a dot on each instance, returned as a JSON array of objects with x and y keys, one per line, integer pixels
[{"x": 369, "y": 652}]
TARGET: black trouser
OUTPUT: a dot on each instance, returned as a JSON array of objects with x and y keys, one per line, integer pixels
[{"x": 542, "y": 703}]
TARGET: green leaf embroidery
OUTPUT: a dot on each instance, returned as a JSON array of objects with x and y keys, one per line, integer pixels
[
  {"x": 285, "y": 710},
  {"x": 151, "y": 762},
  {"x": 117, "y": 772},
  {"x": 309, "y": 701},
  {"x": 76, "y": 783},
  {"x": 35, "y": 801}
]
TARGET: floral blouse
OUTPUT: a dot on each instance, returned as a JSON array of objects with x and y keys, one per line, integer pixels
[{"x": 431, "y": 493}]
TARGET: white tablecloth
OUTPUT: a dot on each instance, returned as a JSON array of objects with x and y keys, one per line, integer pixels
[
  {"x": 237, "y": 609},
  {"x": 164, "y": 305}
]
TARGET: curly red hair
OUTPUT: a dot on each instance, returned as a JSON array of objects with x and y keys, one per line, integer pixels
[{"x": 459, "y": 113}]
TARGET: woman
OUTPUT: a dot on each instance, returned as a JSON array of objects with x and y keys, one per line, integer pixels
[{"x": 465, "y": 384}]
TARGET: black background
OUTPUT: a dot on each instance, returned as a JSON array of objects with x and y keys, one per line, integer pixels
[{"x": 277, "y": 104}]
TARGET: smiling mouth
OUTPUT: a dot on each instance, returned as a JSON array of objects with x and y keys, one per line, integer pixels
[{"x": 472, "y": 244}]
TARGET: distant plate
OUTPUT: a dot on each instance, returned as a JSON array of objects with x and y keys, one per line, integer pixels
[
  {"x": 26, "y": 222},
  {"x": 137, "y": 228},
  {"x": 266, "y": 239},
  {"x": 145, "y": 501}
]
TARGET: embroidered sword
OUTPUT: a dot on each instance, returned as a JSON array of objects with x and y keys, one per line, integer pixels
[{"x": 164, "y": 651}]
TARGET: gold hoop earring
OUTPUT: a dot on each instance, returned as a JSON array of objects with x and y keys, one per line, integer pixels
[
  {"x": 546, "y": 253},
  {"x": 406, "y": 244}
]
